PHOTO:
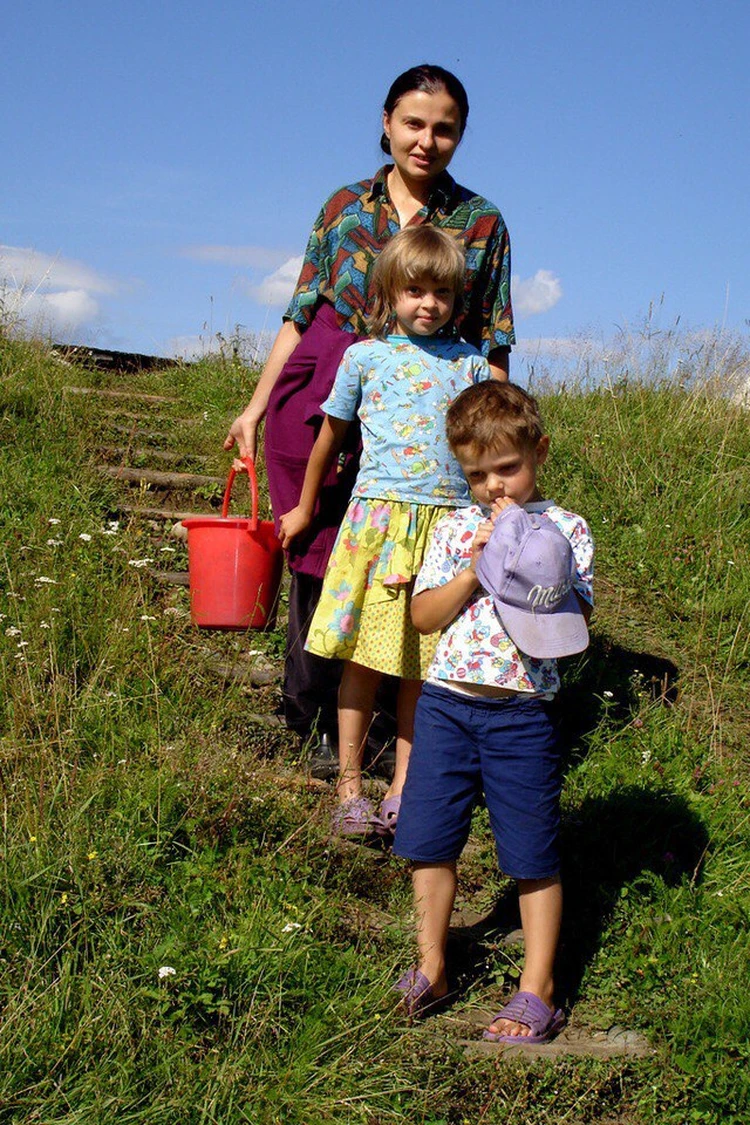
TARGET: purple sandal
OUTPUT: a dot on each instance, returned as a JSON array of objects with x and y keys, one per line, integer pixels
[
  {"x": 389, "y": 811},
  {"x": 356, "y": 819},
  {"x": 528, "y": 1009},
  {"x": 417, "y": 994}
]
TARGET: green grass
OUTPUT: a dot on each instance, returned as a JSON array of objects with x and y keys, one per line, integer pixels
[{"x": 146, "y": 824}]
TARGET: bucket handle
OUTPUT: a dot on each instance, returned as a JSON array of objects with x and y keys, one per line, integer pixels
[{"x": 250, "y": 466}]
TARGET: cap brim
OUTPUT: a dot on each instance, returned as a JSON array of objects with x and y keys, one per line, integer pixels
[{"x": 562, "y": 632}]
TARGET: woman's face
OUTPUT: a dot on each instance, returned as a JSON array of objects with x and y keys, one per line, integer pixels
[{"x": 424, "y": 131}]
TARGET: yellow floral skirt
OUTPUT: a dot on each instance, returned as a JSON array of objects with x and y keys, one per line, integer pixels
[{"x": 364, "y": 610}]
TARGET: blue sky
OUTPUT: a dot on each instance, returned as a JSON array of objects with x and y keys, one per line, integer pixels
[{"x": 163, "y": 163}]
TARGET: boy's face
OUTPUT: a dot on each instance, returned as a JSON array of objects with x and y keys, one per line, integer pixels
[{"x": 503, "y": 471}]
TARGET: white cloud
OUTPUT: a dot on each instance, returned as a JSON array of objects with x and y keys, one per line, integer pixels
[
  {"x": 536, "y": 294},
  {"x": 240, "y": 257},
  {"x": 48, "y": 294},
  {"x": 191, "y": 347},
  {"x": 276, "y": 289},
  {"x": 24, "y": 268},
  {"x": 548, "y": 347},
  {"x": 47, "y": 313}
]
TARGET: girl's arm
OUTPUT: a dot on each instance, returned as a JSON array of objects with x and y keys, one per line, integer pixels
[
  {"x": 434, "y": 609},
  {"x": 327, "y": 445},
  {"x": 245, "y": 427}
]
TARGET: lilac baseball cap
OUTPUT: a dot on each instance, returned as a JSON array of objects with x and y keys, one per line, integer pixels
[{"x": 528, "y": 567}]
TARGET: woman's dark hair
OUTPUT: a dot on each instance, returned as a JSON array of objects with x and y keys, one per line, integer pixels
[{"x": 430, "y": 80}]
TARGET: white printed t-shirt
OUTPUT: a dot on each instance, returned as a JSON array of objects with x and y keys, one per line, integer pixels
[{"x": 474, "y": 648}]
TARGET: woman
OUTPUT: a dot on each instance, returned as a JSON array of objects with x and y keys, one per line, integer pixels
[{"x": 424, "y": 118}]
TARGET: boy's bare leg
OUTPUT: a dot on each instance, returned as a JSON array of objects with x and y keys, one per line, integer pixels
[
  {"x": 434, "y": 894},
  {"x": 408, "y": 694},
  {"x": 356, "y": 704},
  {"x": 540, "y": 901}
]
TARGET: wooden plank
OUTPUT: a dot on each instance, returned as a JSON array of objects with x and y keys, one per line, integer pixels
[
  {"x": 169, "y": 577},
  {"x": 163, "y": 513},
  {"x": 165, "y": 480},
  {"x": 135, "y": 396},
  {"x": 163, "y": 455}
]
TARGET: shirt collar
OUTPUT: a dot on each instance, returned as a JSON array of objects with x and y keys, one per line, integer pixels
[{"x": 440, "y": 197}]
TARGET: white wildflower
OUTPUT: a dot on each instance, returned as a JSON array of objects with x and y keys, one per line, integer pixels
[
  {"x": 22, "y": 644},
  {"x": 44, "y": 625},
  {"x": 166, "y": 971},
  {"x": 645, "y": 757},
  {"x": 12, "y": 631},
  {"x": 54, "y": 542},
  {"x": 53, "y": 521},
  {"x": 85, "y": 536},
  {"x": 40, "y": 580},
  {"x": 168, "y": 550},
  {"x": 147, "y": 617},
  {"x": 608, "y": 695},
  {"x": 139, "y": 563},
  {"x": 290, "y": 927}
]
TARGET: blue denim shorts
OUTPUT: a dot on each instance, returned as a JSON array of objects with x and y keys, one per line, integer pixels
[{"x": 507, "y": 748}]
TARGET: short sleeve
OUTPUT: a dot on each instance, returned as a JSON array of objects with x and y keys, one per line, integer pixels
[
  {"x": 346, "y": 393},
  {"x": 312, "y": 275},
  {"x": 480, "y": 369},
  {"x": 496, "y": 308},
  {"x": 583, "y": 551}
]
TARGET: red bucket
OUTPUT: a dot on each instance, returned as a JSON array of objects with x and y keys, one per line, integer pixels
[{"x": 234, "y": 565}]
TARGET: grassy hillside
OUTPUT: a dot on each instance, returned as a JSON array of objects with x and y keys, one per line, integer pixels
[{"x": 181, "y": 942}]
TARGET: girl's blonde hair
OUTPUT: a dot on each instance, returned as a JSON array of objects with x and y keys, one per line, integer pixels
[{"x": 413, "y": 254}]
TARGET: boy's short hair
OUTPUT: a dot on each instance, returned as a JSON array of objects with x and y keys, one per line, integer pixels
[
  {"x": 489, "y": 413},
  {"x": 412, "y": 254}
]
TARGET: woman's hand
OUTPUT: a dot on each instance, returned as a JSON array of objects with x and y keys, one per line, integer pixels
[
  {"x": 244, "y": 431},
  {"x": 293, "y": 524}
]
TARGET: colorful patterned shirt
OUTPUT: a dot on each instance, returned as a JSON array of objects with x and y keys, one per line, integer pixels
[
  {"x": 401, "y": 388},
  {"x": 474, "y": 648},
  {"x": 353, "y": 227}
]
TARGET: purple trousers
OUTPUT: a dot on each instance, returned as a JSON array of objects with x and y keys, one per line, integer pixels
[
  {"x": 293, "y": 419},
  {"x": 292, "y": 423}
]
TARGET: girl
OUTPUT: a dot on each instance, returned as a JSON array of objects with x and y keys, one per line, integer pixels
[
  {"x": 424, "y": 117},
  {"x": 399, "y": 384}
]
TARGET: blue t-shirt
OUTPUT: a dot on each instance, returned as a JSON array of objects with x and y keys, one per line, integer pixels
[{"x": 401, "y": 388}]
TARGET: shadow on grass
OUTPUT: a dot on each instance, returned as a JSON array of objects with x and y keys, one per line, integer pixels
[
  {"x": 608, "y": 680},
  {"x": 606, "y": 845}
]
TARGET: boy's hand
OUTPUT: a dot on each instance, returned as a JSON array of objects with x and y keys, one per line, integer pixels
[
  {"x": 293, "y": 524},
  {"x": 485, "y": 528},
  {"x": 481, "y": 537},
  {"x": 500, "y": 505}
]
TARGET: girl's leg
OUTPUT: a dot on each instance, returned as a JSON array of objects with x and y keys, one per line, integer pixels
[
  {"x": 408, "y": 694},
  {"x": 540, "y": 901},
  {"x": 356, "y": 704},
  {"x": 434, "y": 893}
]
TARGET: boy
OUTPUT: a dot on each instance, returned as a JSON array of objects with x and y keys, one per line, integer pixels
[{"x": 508, "y": 581}]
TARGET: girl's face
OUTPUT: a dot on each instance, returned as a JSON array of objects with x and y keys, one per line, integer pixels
[
  {"x": 423, "y": 307},
  {"x": 424, "y": 131}
]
